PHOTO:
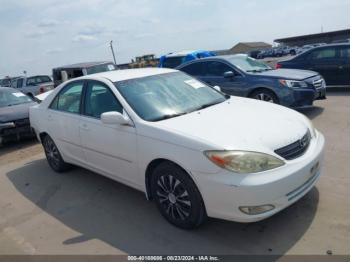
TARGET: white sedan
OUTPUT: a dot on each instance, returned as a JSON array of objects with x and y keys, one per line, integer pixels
[{"x": 193, "y": 150}]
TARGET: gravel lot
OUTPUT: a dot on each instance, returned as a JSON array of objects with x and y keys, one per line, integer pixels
[{"x": 80, "y": 212}]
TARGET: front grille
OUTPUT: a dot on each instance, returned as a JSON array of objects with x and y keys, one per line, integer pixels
[
  {"x": 22, "y": 122},
  {"x": 295, "y": 149},
  {"x": 318, "y": 83}
]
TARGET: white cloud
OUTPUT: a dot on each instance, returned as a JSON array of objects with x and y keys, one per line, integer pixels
[
  {"x": 38, "y": 33},
  {"x": 83, "y": 38},
  {"x": 48, "y": 23},
  {"x": 92, "y": 29},
  {"x": 54, "y": 51}
]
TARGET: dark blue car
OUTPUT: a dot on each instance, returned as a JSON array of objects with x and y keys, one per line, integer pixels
[
  {"x": 242, "y": 75},
  {"x": 331, "y": 61}
]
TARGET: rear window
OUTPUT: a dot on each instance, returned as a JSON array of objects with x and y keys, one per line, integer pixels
[
  {"x": 195, "y": 69},
  {"x": 100, "y": 68},
  {"x": 172, "y": 62}
]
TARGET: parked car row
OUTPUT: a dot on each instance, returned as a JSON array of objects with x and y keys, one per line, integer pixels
[{"x": 193, "y": 150}]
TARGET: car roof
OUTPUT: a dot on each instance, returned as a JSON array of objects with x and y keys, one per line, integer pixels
[
  {"x": 184, "y": 53},
  {"x": 126, "y": 74},
  {"x": 212, "y": 58},
  {"x": 83, "y": 65}
]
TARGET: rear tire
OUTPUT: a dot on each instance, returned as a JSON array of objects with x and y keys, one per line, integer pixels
[
  {"x": 53, "y": 156},
  {"x": 177, "y": 197},
  {"x": 265, "y": 95}
]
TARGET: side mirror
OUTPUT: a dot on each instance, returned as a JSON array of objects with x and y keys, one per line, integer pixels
[
  {"x": 229, "y": 74},
  {"x": 217, "y": 88},
  {"x": 115, "y": 118}
]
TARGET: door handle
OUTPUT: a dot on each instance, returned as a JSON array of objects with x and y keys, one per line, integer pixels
[{"x": 340, "y": 67}]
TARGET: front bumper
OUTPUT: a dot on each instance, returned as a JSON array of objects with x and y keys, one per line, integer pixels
[
  {"x": 12, "y": 131},
  {"x": 223, "y": 195}
]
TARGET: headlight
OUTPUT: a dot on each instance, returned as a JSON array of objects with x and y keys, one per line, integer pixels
[
  {"x": 293, "y": 83},
  {"x": 244, "y": 162}
]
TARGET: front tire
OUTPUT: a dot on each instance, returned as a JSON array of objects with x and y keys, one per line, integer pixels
[
  {"x": 265, "y": 95},
  {"x": 177, "y": 197},
  {"x": 53, "y": 156}
]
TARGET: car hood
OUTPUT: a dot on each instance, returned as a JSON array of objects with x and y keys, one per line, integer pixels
[
  {"x": 293, "y": 74},
  {"x": 42, "y": 96},
  {"x": 240, "y": 124},
  {"x": 12, "y": 113}
]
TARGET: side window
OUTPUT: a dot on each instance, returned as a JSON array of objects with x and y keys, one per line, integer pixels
[
  {"x": 345, "y": 52},
  {"x": 44, "y": 79},
  {"x": 323, "y": 54},
  {"x": 68, "y": 100},
  {"x": 19, "y": 83},
  {"x": 100, "y": 99},
  {"x": 195, "y": 69},
  {"x": 217, "y": 68},
  {"x": 31, "y": 81}
]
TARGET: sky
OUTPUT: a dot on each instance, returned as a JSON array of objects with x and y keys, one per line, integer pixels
[{"x": 38, "y": 35}]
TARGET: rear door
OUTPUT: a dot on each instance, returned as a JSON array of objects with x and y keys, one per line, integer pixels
[
  {"x": 326, "y": 62},
  {"x": 63, "y": 120},
  {"x": 344, "y": 66}
]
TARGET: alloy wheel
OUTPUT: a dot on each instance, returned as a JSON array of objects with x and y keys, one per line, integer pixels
[
  {"x": 173, "y": 197},
  {"x": 52, "y": 153},
  {"x": 264, "y": 97}
]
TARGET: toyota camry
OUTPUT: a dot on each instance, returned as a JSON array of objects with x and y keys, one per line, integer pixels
[{"x": 195, "y": 151}]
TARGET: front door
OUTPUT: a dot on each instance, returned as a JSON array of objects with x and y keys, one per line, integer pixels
[
  {"x": 108, "y": 148},
  {"x": 214, "y": 76}
]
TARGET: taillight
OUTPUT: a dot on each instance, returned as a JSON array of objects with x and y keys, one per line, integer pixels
[{"x": 278, "y": 65}]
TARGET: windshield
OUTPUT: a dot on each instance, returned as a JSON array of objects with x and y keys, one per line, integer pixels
[
  {"x": 169, "y": 95},
  {"x": 248, "y": 64},
  {"x": 100, "y": 68},
  {"x": 172, "y": 62},
  {"x": 12, "y": 97}
]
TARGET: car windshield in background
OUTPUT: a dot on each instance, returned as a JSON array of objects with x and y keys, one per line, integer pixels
[
  {"x": 100, "y": 68},
  {"x": 248, "y": 64},
  {"x": 168, "y": 95},
  {"x": 172, "y": 62},
  {"x": 11, "y": 98}
]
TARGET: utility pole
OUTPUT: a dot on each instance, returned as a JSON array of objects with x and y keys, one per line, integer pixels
[{"x": 111, "y": 45}]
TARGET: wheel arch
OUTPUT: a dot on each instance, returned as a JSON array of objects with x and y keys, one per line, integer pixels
[
  {"x": 151, "y": 167},
  {"x": 30, "y": 95},
  {"x": 42, "y": 135},
  {"x": 262, "y": 88}
]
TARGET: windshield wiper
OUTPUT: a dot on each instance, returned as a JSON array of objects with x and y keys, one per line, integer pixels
[
  {"x": 169, "y": 116},
  {"x": 259, "y": 70},
  {"x": 254, "y": 71}
]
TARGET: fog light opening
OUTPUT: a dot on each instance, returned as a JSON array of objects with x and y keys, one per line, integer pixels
[{"x": 256, "y": 210}]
